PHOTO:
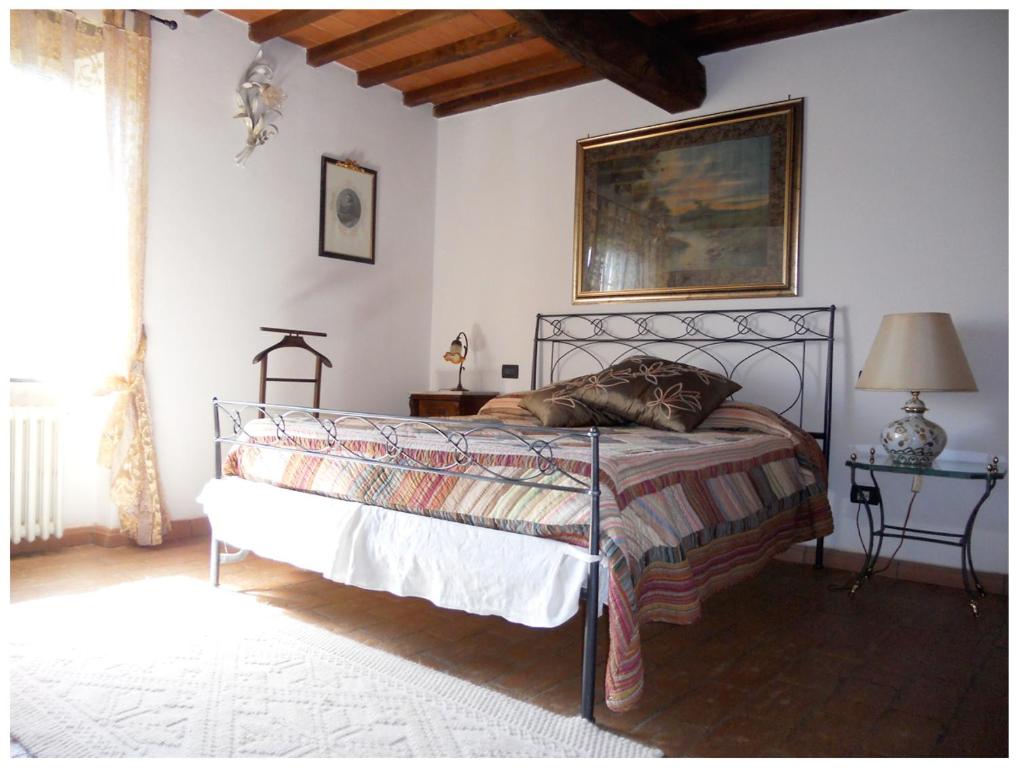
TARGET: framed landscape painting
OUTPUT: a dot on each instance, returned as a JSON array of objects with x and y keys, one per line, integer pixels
[
  {"x": 700, "y": 208},
  {"x": 346, "y": 211}
]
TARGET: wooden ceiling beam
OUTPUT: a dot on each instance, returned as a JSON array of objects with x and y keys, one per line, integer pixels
[
  {"x": 283, "y": 22},
  {"x": 486, "y": 79},
  {"x": 376, "y": 34},
  {"x": 578, "y": 75},
  {"x": 492, "y": 40},
  {"x": 705, "y": 32},
  {"x": 639, "y": 58}
]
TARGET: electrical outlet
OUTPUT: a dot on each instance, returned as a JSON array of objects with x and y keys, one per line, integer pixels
[
  {"x": 865, "y": 494},
  {"x": 510, "y": 371}
]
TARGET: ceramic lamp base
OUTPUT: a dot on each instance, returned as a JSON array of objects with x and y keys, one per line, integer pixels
[{"x": 913, "y": 439}]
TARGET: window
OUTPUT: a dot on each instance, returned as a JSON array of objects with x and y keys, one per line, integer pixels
[{"x": 67, "y": 282}]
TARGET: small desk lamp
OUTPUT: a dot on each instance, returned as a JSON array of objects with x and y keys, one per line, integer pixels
[
  {"x": 916, "y": 352},
  {"x": 456, "y": 355}
]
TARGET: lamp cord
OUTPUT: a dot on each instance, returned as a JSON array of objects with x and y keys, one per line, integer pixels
[
  {"x": 908, "y": 515},
  {"x": 862, "y": 546},
  {"x": 858, "y": 530}
]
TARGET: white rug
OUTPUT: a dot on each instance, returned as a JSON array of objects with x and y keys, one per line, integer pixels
[{"x": 173, "y": 668}]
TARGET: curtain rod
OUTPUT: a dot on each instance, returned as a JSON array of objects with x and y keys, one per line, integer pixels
[{"x": 170, "y": 23}]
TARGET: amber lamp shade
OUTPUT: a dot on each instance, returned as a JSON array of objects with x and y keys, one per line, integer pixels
[{"x": 456, "y": 355}]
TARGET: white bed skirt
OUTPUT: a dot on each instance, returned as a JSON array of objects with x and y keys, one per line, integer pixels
[{"x": 524, "y": 579}]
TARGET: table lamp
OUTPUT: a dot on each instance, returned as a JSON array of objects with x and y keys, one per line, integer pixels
[
  {"x": 916, "y": 352},
  {"x": 456, "y": 355}
]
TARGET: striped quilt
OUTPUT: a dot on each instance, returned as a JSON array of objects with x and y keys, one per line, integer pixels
[{"x": 683, "y": 515}]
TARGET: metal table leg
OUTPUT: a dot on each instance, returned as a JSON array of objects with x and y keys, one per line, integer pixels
[
  {"x": 970, "y": 579},
  {"x": 865, "y": 572},
  {"x": 972, "y": 571},
  {"x": 876, "y": 537}
]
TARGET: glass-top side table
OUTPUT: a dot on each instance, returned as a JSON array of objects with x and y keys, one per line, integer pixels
[{"x": 870, "y": 498}]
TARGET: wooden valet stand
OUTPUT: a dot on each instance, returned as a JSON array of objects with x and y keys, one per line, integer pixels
[{"x": 293, "y": 338}]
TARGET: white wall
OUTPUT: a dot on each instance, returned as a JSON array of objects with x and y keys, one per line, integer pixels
[
  {"x": 231, "y": 249},
  {"x": 904, "y": 209}
]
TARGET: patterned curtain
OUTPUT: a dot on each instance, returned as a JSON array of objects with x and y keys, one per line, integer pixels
[{"x": 110, "y": 58}]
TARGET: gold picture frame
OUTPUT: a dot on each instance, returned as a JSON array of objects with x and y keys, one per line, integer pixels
[{"x": 695, "y": 209}]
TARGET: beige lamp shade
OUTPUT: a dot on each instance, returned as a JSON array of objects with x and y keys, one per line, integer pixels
[{"x": 917, "y": 351}]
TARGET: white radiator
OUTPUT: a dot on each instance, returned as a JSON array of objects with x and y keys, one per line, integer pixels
[{"x": 35, "y": 474}]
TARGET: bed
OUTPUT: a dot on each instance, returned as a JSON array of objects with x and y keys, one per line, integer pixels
[{"x": 500, "y": 514}]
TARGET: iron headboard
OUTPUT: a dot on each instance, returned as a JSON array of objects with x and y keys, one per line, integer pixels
[{"x": 726, "y": 340}]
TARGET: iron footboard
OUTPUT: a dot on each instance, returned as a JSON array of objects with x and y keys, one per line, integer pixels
[{"x": 394, "y": 434}]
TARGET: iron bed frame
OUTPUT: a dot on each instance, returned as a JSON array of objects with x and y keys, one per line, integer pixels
[
  {"x": 699, "y": 332},
  {"x": 557, "y": 338}
]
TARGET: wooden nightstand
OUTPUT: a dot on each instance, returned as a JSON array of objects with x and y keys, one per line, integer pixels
[{"x": 448, "y": 404}]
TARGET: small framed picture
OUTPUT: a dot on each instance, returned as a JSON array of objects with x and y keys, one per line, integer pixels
[{"x": 346, "y": 219}]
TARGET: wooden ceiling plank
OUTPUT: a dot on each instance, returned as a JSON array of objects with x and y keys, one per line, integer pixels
[
  {"x": 283, "y": 22},
  {"x": 510, "y": 34},
  {"x": 576, "y": 76},
  {"x": 376, "y": 34},
  {"x": 639, "y": 58},
  {"x": 486, "y": 79},
  {"x": 490, "y": 60}
]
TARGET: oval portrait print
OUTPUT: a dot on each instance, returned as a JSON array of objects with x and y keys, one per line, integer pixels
[
  {"x": 346, "y": 211},
  {"x": 348, "y": 208}
]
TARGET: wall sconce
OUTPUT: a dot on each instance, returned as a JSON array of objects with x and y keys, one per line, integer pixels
[
  {"x": 257, "y": 100},
  {"x": 456, "y": 355}
]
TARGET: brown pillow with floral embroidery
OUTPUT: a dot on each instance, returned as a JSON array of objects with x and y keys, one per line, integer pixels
[
  {"x": 557, "y": 406},
  {"x": 656, "y": 393}
]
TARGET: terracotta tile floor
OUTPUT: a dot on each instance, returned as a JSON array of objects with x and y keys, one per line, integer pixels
[{"x": 779, "y": 666}]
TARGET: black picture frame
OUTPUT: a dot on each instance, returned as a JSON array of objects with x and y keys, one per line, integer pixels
[{"x": 346, "y": 227}]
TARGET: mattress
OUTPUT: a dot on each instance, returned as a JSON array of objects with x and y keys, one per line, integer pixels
[{"x": 682, "y": 514}]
